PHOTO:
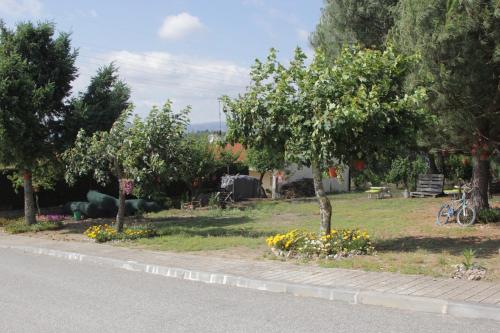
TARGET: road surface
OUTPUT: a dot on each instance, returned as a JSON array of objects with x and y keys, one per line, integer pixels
[{"x": 45, "y": 294}]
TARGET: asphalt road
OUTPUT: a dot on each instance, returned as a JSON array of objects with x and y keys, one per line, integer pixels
[{"x": 44, "y": 294}]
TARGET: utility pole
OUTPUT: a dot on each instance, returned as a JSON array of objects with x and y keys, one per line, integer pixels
[{"x": 220, "y": 120}]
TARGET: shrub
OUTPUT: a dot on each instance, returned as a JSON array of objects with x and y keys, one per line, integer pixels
[
  {"x": 339, "y": 243},
  {"x": 491, "y": 215}
]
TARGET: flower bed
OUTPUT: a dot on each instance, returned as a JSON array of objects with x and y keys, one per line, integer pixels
[
  {"x": 106, "y": 233},
  {"x": 337, "y": 244},
  {"x": 55, "y": 218}
]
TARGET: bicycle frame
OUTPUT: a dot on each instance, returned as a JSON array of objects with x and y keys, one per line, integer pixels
[{"x": 456, "y": 205}]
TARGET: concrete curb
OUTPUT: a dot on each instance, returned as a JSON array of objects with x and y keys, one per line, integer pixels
[{"x": 351, "y": 296}]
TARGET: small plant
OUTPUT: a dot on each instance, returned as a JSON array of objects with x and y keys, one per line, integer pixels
[
  {"x": 491, "y": 215},
  {"x": 19, "y": 226},
  {"x": 136, "y": 232},
  {"x": 101, "y": 233},
  {"x": 468, "y": 258},
  {"x": 213, "y": 201},
  {"x": 106, "y": 233}
]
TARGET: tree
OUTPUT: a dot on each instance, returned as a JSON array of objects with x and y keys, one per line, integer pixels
[
  {"x": 459, "y": 44},
  {"x": 97, "y": 108},
  {"x": 347, "y": 22},
  {"x": 148, "y": 151},
  {"x": 200, "y": 162},
  {"x": 406, "y": 171},
  {"x": 36, "y": 71},
  {"x": 263, "y": 160},
  {"x": 319, "y": 115}
]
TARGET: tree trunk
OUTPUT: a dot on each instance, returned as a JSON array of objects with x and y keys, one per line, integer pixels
[
  {"x": 432, "y": 163},
  {"x": 325, "y": 207},
  {"x": 261, "y": 189},
  {"x": 440, "y": 159},
  {"x": 480, "y": 182},
  {"x": 29, "y": 202},
  {"x": 120, "y": 217}
]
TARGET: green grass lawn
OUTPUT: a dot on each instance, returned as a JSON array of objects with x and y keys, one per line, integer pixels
[{"x": 403, "y": 231}]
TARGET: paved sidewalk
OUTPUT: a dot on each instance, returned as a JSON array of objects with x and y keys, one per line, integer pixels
[{"x": 414, "y": 292}]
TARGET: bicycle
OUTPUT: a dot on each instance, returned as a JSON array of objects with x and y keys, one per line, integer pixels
[{"x": 462, "y": 209}]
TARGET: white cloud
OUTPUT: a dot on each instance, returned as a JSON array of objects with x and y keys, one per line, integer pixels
[
  {"x": 157, "y": 76},
  {"x": 93, "y": 13},
  {"x": 18, "y": 8},
  {"x": 179, "y": 26}
]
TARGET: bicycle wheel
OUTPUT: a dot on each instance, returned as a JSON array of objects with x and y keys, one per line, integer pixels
[
  {"x": 466, "y": 216},
  {"x": 444, "y": 214}
]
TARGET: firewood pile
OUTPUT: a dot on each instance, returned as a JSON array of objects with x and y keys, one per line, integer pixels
[{"x": 297, "y": 189}]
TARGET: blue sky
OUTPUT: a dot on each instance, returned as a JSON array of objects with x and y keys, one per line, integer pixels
[{"x": 188, "y": 51}]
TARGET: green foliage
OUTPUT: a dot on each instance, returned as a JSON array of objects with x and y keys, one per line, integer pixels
[
  {"x": 19, "y": 227},
  {"x": 320, "y": 115},
  {"x": 148, "y": 151},
  {"x": 37, "y": 69},
  {"x": 459, "y": 45},
  {"x": 491, "y": 215},
  {"x": 469, "y": 255},
  {"x": 457, "y": 169},
  {"x": 406, "y": 171},
  {"x": 99, "y": 106},
  {"x": 347, "y": 22},
  {"x": 325, "y": 114},
  {"x": 46, "y": 172},
  {"x": 263, "y": 160},
  {"x": 201, "y": 161},
  {"x": 362, "y": 178}
]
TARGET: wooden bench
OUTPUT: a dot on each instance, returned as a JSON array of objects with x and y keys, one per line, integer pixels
[
  {"x": 379, "y": 192},
  {"x": 429, "y": 186}
]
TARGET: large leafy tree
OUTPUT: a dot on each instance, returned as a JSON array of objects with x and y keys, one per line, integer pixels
[
  {"x": 147, "y": 151},
  {"x": 95, "y": 109},
  {"x": 36, "y": 71},
  {"x": 459, "y": 42},
  {"x": 364, "y": 22},
  {"x": 319, "y": 115}
]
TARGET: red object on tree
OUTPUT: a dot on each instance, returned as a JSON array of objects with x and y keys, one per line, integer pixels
[
  {"x": 484, "y": 155},
  {"x": 359, "y": 165},
  {"x": 332, "y": 172},
  {"x": 465, "y": 161},
  {"x": 196, "y": 182},
  {"x": 127, "y": 186}
]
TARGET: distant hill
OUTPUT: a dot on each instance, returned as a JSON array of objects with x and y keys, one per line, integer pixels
[{"x": 210, "y": 126}]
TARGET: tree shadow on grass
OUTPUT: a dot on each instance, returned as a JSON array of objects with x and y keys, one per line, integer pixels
[
  {"x": 484, "y": 247},
  {"x": 202, "y": 226},
  {"x": 208, "y": 227}
]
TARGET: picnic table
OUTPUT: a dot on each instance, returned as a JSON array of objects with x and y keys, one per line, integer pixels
[{"x": 379, "y": 192}]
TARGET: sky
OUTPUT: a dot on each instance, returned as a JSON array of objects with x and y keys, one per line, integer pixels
[{"x": 188, "y": 51}]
